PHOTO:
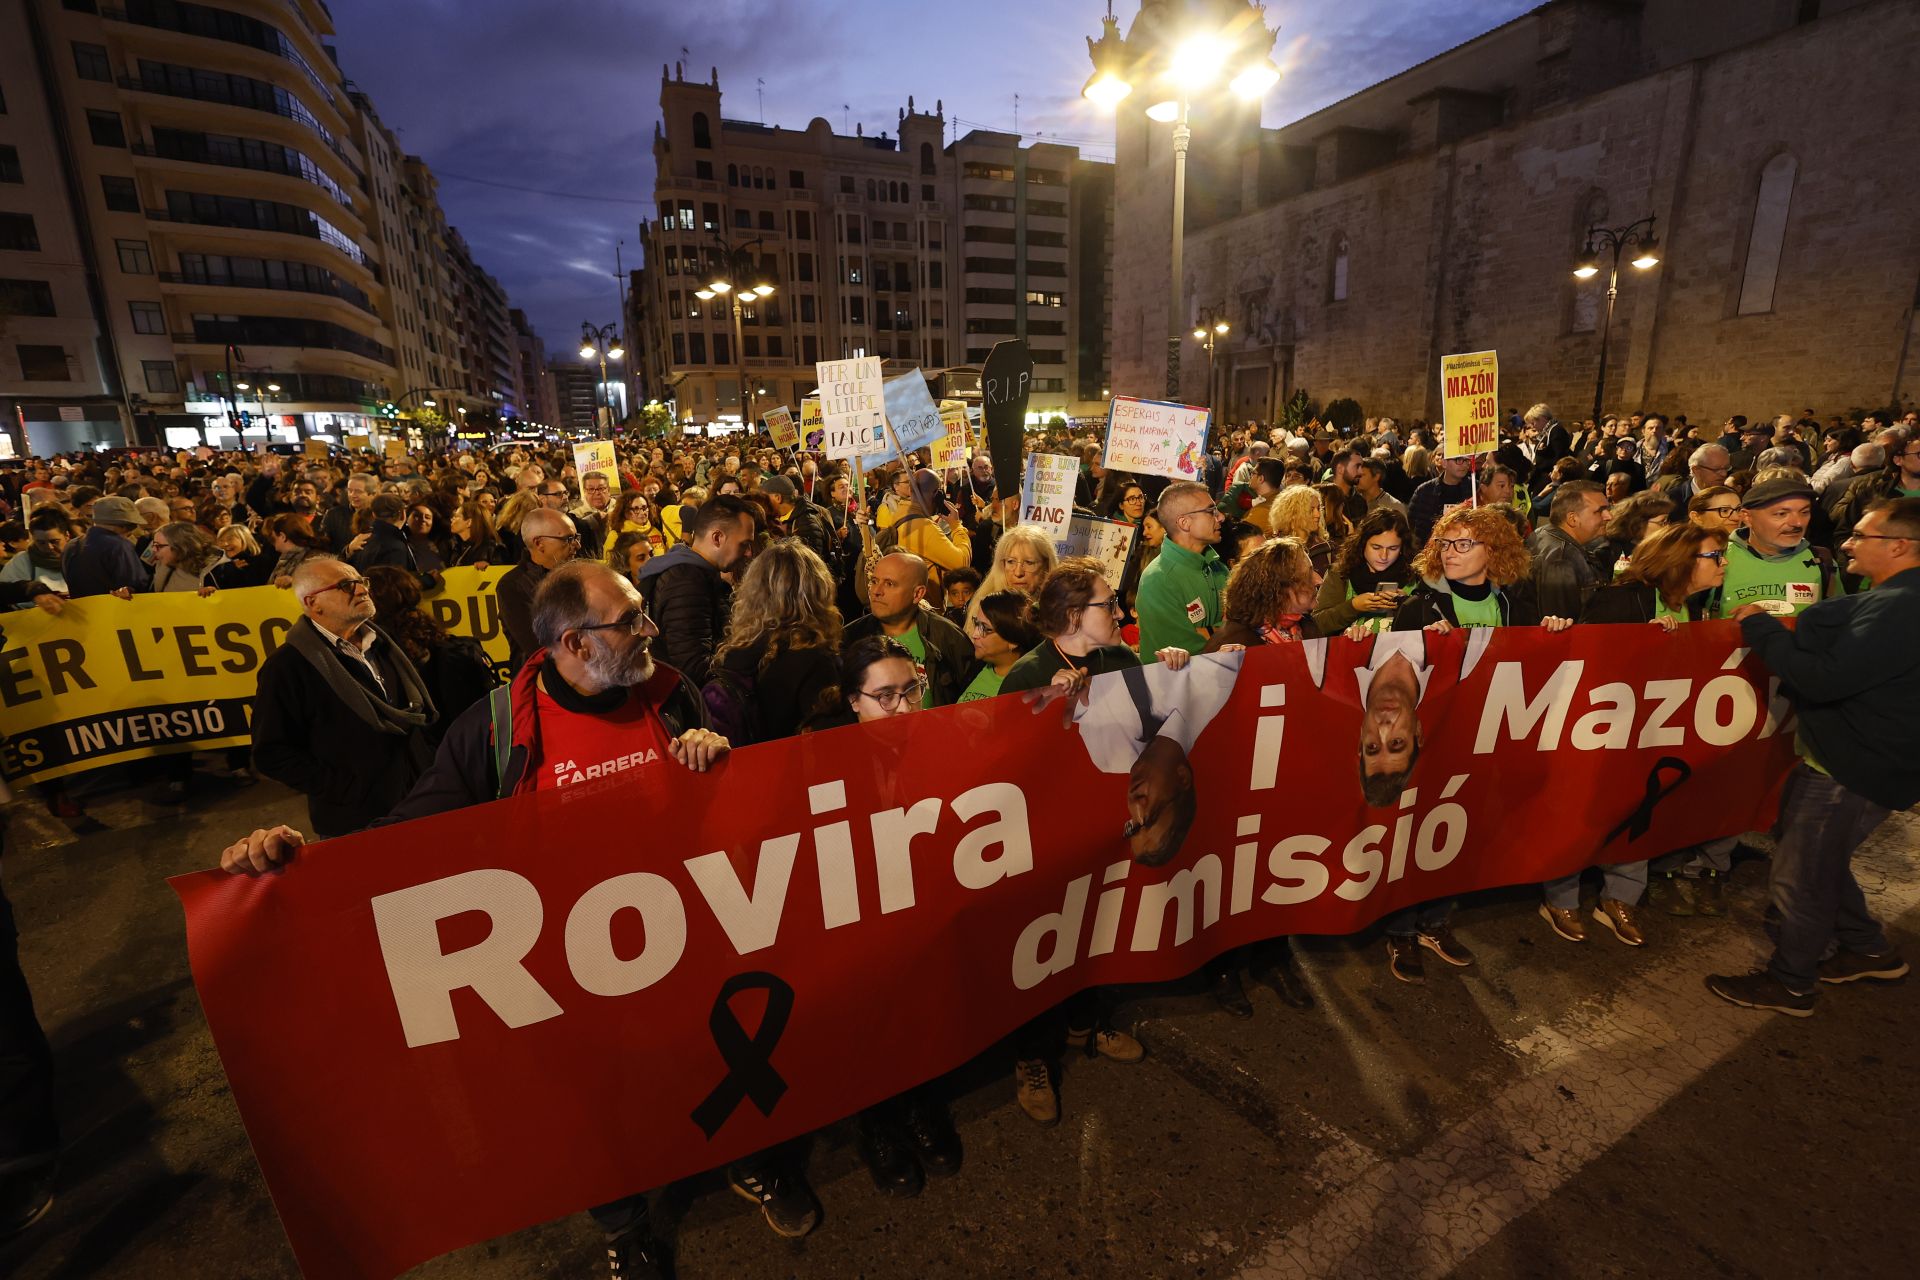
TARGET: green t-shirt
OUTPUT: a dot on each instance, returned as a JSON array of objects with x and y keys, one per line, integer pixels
[
  {"x": 1477, "y": 613},
  {"x": 985, "y": 685},
  {"x": 911, "y": 641}
]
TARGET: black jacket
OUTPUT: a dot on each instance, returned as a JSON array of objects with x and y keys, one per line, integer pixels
[
  {"x": 305, "y": 737},
  {"x": 337, "y": 526},
  {"x": 1432, "y": 601},
  {"x": 457, "y": 675},
  {"x": 517, "y": 587},
  {"x": 464, "y": 774},
  {"x": 951, "y": 665},
  {"x": 810, "y": 525},
  {"x": 690, "y": 603},
  {"x": 1564, "y": 572},
  {"x": 386, "y": 544},
  {"x": 1633, "y": 602},
  {"x": 787, "y": 691}
]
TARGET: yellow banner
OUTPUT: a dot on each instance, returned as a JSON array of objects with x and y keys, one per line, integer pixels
[
  {"x": 109, "y": 680},
  {"x": 1470, "y": 399}
]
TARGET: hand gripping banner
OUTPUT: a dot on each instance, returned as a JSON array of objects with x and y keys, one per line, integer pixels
[{"x": 456, "y": 1028}]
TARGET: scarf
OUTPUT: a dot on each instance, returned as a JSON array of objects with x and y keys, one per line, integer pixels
[
  {"x": 44, "y": 557},
  {"x": 373, "y": 711}
]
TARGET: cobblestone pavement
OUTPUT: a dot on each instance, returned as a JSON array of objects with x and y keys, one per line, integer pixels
[{"x": 1554, "y": 1109}]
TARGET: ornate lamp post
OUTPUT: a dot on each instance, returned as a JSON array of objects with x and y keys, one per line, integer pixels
[
  {"x": 601, "y": 342},
  {"x": 1619, "y": 239},
  {"x": 737, "y": 267}
]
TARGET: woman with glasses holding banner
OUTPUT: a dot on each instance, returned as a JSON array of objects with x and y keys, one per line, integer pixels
[{"x": 1472, "y": 573}]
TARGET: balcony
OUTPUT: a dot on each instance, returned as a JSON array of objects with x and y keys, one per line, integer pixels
[
  {"x": 222, "y": 89},
  {"x": 245, "y": 153},
  {"x": 331, "y": 287}
]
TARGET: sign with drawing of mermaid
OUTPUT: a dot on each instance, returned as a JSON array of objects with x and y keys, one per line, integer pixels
[{"x": 1156, "y": 438}]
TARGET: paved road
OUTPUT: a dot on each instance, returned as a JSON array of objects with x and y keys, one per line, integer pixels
[{"x": 1556, "y": 1109}]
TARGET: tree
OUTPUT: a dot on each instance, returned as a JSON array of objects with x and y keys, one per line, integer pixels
[
  {"x": 654, "y": 420},
  {"x": 1344, "y": 414}
]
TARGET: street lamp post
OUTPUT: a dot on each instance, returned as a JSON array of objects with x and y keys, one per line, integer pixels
[
  {"x": 737, "y": 267},
  {"x": 1208, "y": 332},
  {"x": 1197, "y": 62},
  {"x": 602, "y": 341},
  {"x": 260, "y": 395},
  {"x": 1619, "y": 239}
]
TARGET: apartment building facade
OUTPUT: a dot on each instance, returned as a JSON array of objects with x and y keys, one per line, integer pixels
[
  {"x": 192, "y": 199},
  {"x": 921, "y": 252}
]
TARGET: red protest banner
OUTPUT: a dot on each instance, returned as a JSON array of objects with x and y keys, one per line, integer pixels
[{"x": 448, "y": 1030}]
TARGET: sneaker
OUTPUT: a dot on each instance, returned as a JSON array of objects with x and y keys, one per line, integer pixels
[
  {"x": 1852, "y": 966},
  {"x": 1681, "y": 894},
  {"x": 25, "y": 1198},
  {"x": 1710, "y": 894},
  {"x": 935, "y": 1141},
  {"x": 1033, "y": 1090},
  {"x": 1761, "y": 990},
  {"x": 783, "y": 1196},
  {"x": 1231, "y": 995},
  {"x": 1441, "y": 942},
  {"x": 1286, "y": 983},
  {"x": 1565, "y": 923},
  {"x": 1618, "y": 916},
  {"x": 1114, "y": 1046},
  {"x": 895, "y": 1171},
  {"x": 1403, "y": 960},
  {"x": 635, "y": 1255}
]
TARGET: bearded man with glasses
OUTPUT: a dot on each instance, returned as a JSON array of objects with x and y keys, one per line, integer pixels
[{"x": 340, "y": 712}]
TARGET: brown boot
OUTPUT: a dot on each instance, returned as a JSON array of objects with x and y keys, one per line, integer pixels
[
  {"x": 1033, "y": 1089},
  {"x": 1619, "y": 917},
  {"x": 1565, "y": 923}
]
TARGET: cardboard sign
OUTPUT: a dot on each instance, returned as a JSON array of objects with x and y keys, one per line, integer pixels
[
  {"x": 951, "y": 450},
  {"x": 852, "y": 406},
  {"x": 358, "y": 440},
  {"x": 1156, "y": 438},
  {"x": 320, "y": 450},
  {"x": 1006, "y": 381},
  {"x": 596, "y": 455},
  {"x": 1046, "y": 499},
  {"x": 813, "y": 434},
  {"x": 779, "y": 424},
  {"x": 396, "y": 448},
  {"x": 911, "y": 412},
  {"x": 1470, "y": 399},
  {"x": 1108, "y": 541}
]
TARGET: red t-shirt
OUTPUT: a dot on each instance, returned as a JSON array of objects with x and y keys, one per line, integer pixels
[{"x": 578, "y": 747}]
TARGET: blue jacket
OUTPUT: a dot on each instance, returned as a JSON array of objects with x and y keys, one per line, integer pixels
[
  {"x": 1852, "y": 670},
  {"x": 102, "y": 563}
]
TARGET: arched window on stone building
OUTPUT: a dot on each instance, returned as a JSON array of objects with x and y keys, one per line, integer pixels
[
  {"x": 1768, "y": 234},
  {"x": 1589, "y": 296},
  {"x": 702, "y": 131},
  {"x": 1337, "y": 271}
]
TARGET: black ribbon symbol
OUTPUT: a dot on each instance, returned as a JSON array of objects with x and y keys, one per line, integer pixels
[
  {"x": 749, "y": 1059},
  {"x": 1640, "y": 821}
]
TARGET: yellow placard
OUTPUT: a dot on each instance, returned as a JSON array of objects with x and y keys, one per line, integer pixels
[
  {"x": 356, "y": 440},
  {"x": 1470, "y": 399},
  {"x": 109, "y": 680},
  {"x": 951, "y": 449},
  {"x": 597, "y": 455},
  {"x": 396, "y": 448},
  {"x": 317, "y": 449},
  {"x": 813, "y": 427},
  {"x": 779, "y": 423}
]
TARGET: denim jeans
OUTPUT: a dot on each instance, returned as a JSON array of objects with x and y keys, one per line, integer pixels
[
  {"x": 1815, "y": 898},
  {"x": 1625, "y": 882},
  {"x": 1420, "y": 918},
  {"x": 1714, "y": 855},
  {"x": 28, "y": 1136}
]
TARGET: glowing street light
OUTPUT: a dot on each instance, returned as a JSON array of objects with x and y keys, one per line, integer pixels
[{"x": 1619, "y": 239}]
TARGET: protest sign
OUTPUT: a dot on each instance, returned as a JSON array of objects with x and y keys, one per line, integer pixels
[
  {"x": 496, "y": 1001},
  {"x": 779, "y": 424},
  {"x": 1108, "y": 541},
  {"x": 1470, "y": 403},
  {"x": 358, "y": 440},
  {"x": 317, "y": 449},
  {"x": 1046, "y": 498},
  {"x": 1156, "y": 438},
  {"x": 1006, "y": 382},
  {"x": 813, "y": 433},
  {"x": 596, "y": 455},
  {"x": 912, "y": 415},
  {"x": 950, "y": 451},
  {"x": 108, "y": 680},
  {"x": 396, "y": 448},
  {"x": 852, "y": 407}
]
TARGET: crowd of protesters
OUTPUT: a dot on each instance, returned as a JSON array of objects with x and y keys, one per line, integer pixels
[{"x": 713, "y": 593}]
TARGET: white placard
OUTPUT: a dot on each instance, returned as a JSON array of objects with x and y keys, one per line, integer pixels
[
  {"x": 1156, "y": 438},
  {"x": 852, "y": 407},
  {"x": 1046, "y": 499}
]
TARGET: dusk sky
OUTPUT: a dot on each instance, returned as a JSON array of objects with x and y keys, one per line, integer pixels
[{"x": 562, "y": 98}]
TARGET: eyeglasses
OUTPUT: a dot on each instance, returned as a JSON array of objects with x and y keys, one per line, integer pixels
[
  {"x": 559, "y": 493},
  {"x": 1711, "y": 555},
  {"x": 1111, "y": 604},
  {"x": 571, "y": 539},
  {"x": 1879, "y": 537},
  {"x": 890, "y": 699},
  {"x": 1715, "y": 471},
  {"x": 1722, "y": 512},
  {"x": 1459, "y": 546},
  {"x": 634, "y": 622},
  {"x": 349, "y": 586},
  {"x": 1198, "y": 511}
]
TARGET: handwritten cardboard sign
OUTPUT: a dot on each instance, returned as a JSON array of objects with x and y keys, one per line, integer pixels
[
  {"x": 780, "y": 426},
  {"x": 1046, "y": 499},
  {"x": 911, "y": 412},
  {"x": 1156, "y": 438}
]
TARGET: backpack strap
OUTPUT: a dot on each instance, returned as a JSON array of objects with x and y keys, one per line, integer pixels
[{"x": 500, "y": 707}]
